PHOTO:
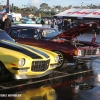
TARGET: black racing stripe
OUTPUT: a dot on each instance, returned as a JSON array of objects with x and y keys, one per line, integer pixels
[
  {"x": 19, "y": 49},
  {"x": 42, "y": 53}
]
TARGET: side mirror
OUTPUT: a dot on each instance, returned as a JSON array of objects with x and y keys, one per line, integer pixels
[{"x": 36, "y": 37}]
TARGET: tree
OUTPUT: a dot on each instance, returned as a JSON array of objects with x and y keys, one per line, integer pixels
[
  {"x": 70, "y": 6},
  {"x": 44, "y": 6},
  {"x": 58, "y": 7}
]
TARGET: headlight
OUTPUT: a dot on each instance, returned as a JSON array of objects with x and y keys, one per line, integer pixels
[
  {"x": 57, "y": 58},
  {"x": 79, "y": 53},
  {"x": 22, "y": 62},
  {"x": 97, "y": 51}
]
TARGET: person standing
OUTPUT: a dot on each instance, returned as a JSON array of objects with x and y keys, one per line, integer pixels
[
  {"x": 42, "y": 22},
  {"x": 5, "y": 22}
]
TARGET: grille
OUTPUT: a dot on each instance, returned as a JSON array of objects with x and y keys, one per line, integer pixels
[
  {"x": 40, "y": 65},
  {"x": 89, "y": 52}
]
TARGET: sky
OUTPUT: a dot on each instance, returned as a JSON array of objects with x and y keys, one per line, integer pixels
[{"x": 63, "y": 3}]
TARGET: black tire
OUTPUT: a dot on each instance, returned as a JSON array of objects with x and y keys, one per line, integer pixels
[{"x": 62, "y": 60}]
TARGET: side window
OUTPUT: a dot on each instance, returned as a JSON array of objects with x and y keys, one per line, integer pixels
[
  {"x": 27, "y": 33},
  {"x": 14, "y": 33},
  {"x": 23, "y": 33}
]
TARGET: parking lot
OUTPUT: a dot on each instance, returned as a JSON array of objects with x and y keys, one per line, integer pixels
[{"x": 75, "y": 82}]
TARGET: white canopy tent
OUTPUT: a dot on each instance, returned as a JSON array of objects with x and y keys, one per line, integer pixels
[
  {"x": 79, "y": 14},
  {"x": 67, "y": 13},
  {"x": 93, "y": 15}
]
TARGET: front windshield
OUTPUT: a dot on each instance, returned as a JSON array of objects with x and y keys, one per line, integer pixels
[{"x": 5, "y": 36}]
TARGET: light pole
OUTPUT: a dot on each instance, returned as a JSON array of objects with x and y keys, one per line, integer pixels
[{"x": 81, "y": 4}]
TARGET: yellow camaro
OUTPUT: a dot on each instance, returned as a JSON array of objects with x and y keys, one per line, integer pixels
[{"x": 23, "y": 61}]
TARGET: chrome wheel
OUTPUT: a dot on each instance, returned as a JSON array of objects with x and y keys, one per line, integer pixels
[{"x": 61, "y": 58}]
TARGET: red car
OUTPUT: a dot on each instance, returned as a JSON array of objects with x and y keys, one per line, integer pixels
[{"x": 65, "y": 44}]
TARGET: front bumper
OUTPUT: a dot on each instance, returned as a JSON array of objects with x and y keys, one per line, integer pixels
[
  {"x": 24, "y": 76},
  {"x": 85, "y": 58}
]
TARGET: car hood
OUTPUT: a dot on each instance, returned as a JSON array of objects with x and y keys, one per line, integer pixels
[
  {"x": 31, "y": 52},
  {"x": 77, "y": 30}
]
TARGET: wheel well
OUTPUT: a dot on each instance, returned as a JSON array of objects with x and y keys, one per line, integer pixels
[
  {"x": 59, "y": 51},
  {"x": 63, "y": 61}
]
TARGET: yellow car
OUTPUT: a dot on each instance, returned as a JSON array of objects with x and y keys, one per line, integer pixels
[
  {"x": 43, "y": 93},
  {"x": 23, "y": 61}
]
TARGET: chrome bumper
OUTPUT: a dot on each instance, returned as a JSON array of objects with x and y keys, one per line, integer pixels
[{"x": 85, "y": 58}]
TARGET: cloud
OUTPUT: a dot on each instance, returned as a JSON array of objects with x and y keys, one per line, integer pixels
[{"x": 35, "y": 3}]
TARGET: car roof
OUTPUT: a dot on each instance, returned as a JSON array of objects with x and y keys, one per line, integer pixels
[{"x": 30, "y": 26}]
